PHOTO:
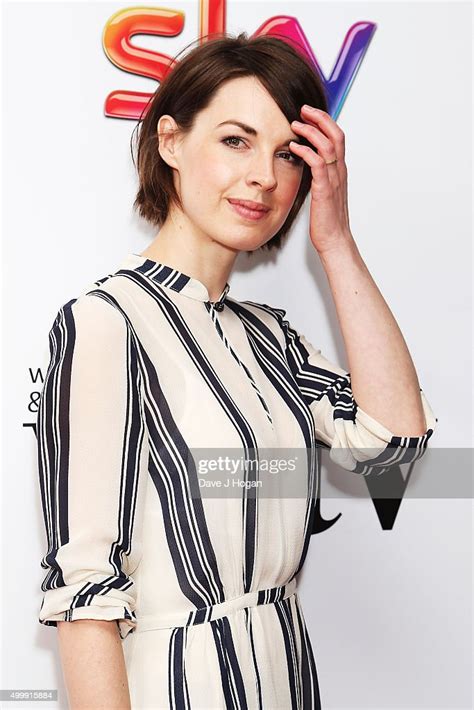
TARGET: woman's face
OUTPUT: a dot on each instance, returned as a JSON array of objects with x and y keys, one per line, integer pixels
[{"x": 217, "y": 163}]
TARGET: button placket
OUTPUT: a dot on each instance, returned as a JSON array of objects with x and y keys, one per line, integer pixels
[{"x": 218, "y": 306}]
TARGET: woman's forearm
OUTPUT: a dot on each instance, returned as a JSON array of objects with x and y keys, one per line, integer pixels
[
  {"x": 93, "y": 665},
  {"x": 383, "y": 377}
]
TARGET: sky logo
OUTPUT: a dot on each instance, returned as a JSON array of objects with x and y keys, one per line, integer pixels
[{"x": 124, "y": 24}]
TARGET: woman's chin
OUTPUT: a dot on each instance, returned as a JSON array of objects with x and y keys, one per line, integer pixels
[
  {"x": 243, "y": 239},
  {"x": 245, "y": 242}
]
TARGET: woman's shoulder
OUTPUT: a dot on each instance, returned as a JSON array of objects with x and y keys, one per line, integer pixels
[
  {"x": 95, "y": 309},
  {"x": 103, "y": 298}
]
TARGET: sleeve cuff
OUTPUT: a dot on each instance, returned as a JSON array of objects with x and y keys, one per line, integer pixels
[
  {"x": 90, "y": 600},
  {"x": 372, "y": 448},
  {"x": 380, "y": 432},
  {"x": 126, "y": 619}
]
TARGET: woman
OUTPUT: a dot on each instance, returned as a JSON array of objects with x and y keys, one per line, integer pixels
[{"x": 157, "y": 362}]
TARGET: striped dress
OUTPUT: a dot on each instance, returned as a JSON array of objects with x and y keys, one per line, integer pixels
[{"x": 159, "y": 415}]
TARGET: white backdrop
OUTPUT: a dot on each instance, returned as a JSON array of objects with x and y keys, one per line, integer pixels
[{"x": 389, "y": 612}]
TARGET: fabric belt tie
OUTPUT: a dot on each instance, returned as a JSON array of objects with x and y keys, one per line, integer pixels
[{"x": 216, "y": 611}]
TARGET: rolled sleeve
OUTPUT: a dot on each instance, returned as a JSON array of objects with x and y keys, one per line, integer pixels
[
  {"x": 91, "y": 463},
  {"x": 354, "y": 438}
]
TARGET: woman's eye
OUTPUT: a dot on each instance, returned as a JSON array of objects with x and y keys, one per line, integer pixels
[
  {"x": 231, "y": 138},
  {"x": 291, "y": 158}
]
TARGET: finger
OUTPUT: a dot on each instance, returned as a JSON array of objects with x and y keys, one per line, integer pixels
[
  {"x": 329, "y": 126},
  {"x": 333, "y": 155},
  {"x": 324, "y": 147},
  {"x": 318, "y": 166},
  {"x": 317, "y": 138}
]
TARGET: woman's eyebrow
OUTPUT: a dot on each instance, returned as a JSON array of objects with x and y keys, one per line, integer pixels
[{"x": 248, "y": 129}]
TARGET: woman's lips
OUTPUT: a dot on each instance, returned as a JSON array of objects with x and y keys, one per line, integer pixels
[{"x": 247, "y": 212}]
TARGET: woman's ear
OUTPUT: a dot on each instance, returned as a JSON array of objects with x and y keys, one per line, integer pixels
[{"x": 167, "y": 130}]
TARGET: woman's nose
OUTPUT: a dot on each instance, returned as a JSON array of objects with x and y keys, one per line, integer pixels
[{"x": 264, "y": 176}]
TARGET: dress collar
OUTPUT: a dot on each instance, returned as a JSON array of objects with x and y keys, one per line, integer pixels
[{"x": 172, "y": 278}]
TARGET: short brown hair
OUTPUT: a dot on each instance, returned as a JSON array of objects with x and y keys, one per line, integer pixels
[{"x": 189, "y": 87}]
